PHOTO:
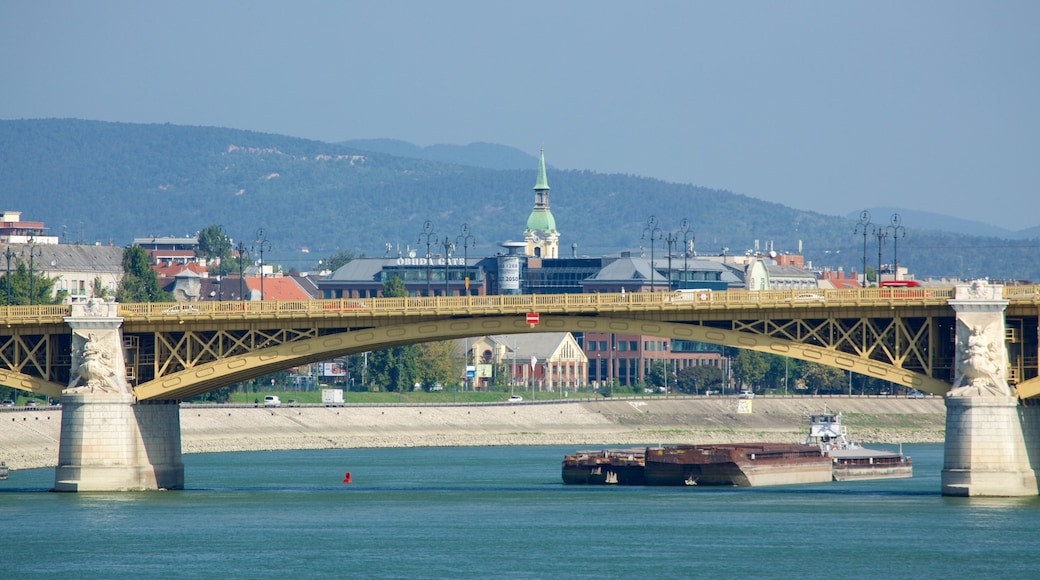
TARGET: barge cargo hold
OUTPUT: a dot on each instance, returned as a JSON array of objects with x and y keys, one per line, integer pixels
[
  {"x": 607, "y": 467},
  {"x": 741, "y": 465}
]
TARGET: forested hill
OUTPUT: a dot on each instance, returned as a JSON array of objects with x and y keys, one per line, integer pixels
[{"x": 110, "y": 182}]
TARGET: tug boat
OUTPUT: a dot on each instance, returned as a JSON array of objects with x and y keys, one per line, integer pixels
[{"x": 849, "y": 460}]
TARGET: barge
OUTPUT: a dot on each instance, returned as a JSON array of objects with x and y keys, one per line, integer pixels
[
  {"x": 826, "y": 455},
  {"x": 850, "y": 461},
  {"x": 740, "y": 465}
]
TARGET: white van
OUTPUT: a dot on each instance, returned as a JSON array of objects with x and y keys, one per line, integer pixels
[
  {"x": 691, "y": 296},
  {"x": 272, "y": 401}
]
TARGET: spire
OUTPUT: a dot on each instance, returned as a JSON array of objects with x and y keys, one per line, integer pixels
[{"x": 542, "y": 182}]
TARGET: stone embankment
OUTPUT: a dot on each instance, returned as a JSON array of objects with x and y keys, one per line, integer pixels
[{"x": 29, "y": 439}]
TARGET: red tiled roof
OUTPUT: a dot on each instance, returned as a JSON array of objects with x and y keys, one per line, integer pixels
[
  {"x": 171, "y": 269},
  {"x": 278, "y": 288}
]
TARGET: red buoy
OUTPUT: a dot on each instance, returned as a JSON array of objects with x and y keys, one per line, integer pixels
[{"x": 346, "y": 477}]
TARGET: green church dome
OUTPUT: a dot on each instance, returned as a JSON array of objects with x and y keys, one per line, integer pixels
[{"x": 541, "y": 221}]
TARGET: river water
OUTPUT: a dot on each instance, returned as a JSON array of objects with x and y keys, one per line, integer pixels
[{"x": 503, "y": 512}]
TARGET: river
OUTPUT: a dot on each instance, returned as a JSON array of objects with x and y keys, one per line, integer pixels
[{"x": 502, "y": 512}]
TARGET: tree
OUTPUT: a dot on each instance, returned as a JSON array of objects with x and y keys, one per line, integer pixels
[
  {"x": 140, "y": 283},
  {"x": 21, "y": 284},
  {"x": 700, "y": 378},
  {"x": 440, "y": 362},
  {"x": 338, "y": 260},
  {"x": 749, "y": 367},
  {"x": 782, "y": 368},
  {"x": 823, "y": 378},
  {"x": 98, "y": 290},
  {"x": 397, "y": 368},
  {"x": 215, "y": 247},
  {"x": 657, "y": 376}
]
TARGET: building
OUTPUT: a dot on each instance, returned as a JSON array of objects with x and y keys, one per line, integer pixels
[
  {"x": 766, "y": 274},
  {"x": 628, "y": 358},
  {"x": 74, "y": 268},
  {"x": 169, "y": 248},
  {"x": 550, "y": 362},
  {"x": 15, "y": 231},
  {"x": 436, "y": 275},
  {"x": 540, "y": 236}
]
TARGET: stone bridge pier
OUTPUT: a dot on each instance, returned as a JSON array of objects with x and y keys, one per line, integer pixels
[
  {"x": 992, "y": 440},
  {"x": 108, "y": 441}
]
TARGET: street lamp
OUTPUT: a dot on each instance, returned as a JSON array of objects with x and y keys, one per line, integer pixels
[
  {"x": 880, "y": 234},
  {"x": 263, "y": 244},
  {"x": 466, "y": 241},
  {"x": 8, "y": 253},
  {"x": 684, "y": 227},
  {"x": 449, "y": 247},
  {"x": 672, "y": 239},
  {"x": 898, "y": 231},
  {"x": 654, "y": 234},
  {"x": 241, "y": 269},
  {"x": 868, "y": 229},
  {"x": 34, "y": 252},
  {"x": 220, "y": 264},
  {"x": 428, "y": 234}
]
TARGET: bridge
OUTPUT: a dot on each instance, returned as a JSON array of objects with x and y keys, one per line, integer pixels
[{"x": 976, "y": 343}]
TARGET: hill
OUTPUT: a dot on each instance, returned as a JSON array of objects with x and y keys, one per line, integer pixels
[{"x": 106, "y": 182}]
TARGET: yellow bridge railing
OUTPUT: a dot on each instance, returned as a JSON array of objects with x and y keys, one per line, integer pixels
[{"x": 546, "y": 303}]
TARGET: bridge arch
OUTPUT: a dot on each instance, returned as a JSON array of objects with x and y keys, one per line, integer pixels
[{"x": 220, "y": 373}]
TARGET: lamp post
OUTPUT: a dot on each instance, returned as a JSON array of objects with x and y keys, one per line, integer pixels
[
  {"x": 9, "y": 253},
  {"x": 449, "y": 247},
  {"x": 898, "y": 231},
  {"x": 34, "y": 252},
  {"x": 261, "y": 243},
  {"x": 428, "y": 234},
  {"x": 684, "y": 227},
  {"x": 654, "y": 234},
  {"x": 241, "y": 270},
  {"x": 868, "y": 229},
  {"x": 880, "y": 234},
  {"x": 599, "y": 369},
  {"x": 220, "y": 264},
  {"x": 465, "y": 240},
  {"x": 672, "y": 239}
]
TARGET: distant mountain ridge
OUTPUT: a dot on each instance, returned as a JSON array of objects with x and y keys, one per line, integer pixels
[
  {"x": 936, "y": 221},
  {"x": 107, "y": 182},
  {"x": 486, "y": 155}
]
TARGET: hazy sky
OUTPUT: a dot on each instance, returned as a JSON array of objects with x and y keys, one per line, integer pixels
[{"x": 823, "y": 105}]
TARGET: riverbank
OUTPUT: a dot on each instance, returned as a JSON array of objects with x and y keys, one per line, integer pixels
[{"x": 29, "y": 439}]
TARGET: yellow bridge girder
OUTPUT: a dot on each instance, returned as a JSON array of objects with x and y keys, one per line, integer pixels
[
  {"x": 903, "y": 335},
  {"x": 221, "y": 372}
]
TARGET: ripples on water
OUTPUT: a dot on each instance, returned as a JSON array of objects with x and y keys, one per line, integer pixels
[{"x": 503, "y": 512}]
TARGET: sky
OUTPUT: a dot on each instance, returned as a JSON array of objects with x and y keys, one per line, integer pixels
[{"x": 819, "y": 105}]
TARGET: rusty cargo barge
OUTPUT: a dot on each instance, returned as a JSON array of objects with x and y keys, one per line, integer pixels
[
  {"x": 826, "y": 455},
  {"x": 741, "y": 465}
]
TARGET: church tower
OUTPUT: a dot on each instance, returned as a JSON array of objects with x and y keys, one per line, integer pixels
[{"x": 542, "y": 239}]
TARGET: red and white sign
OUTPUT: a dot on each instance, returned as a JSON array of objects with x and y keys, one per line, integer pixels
[{"x": 532, "y": 318}]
